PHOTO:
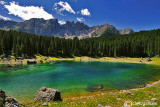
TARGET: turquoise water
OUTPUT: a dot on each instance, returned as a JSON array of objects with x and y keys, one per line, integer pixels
[{"x": 74, "y": 78}]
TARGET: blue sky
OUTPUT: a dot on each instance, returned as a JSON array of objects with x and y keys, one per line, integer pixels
[{"x": 135, "y": 14}]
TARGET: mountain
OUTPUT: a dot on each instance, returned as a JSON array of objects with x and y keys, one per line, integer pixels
[
  {"x": 7, "y": 24},
  {"x": 69, "y": 30}
]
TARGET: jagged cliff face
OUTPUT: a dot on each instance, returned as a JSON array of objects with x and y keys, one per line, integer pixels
[
  {"x": 7, "y": 24},
  {"x": 53, "y": 28},
  {"x": 125, "y": 31},
  {"x": 39, "y": 26},
  {"x": 98, "y": 30}
]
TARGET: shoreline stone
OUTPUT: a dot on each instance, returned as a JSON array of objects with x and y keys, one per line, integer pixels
[
  {"x": 31, "y": 62},
  {"x": 11, "y": 102},
  {"x": 48, "y": 94},
  {"x": 7, "y": 101},
  {"x": 2, "y": 98}
]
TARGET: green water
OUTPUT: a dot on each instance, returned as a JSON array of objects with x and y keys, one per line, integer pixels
[{"x": 74, "y": 78}]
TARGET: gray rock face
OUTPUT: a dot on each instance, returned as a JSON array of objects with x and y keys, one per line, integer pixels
[
  {"x": 2, "y": 98},
  {"x": 11, "y": 102},
  {"x": 7, "y": 24},
  {"x": 53, "y": 28},
  {"x": 48, "y": 94},
  {"x": 31, "y": 62},
  {"x": 44, "y": 104},
  {"x": 99, "y": 105},
  {"x": 125, "y": 31},
  {"x": 148, "y": 59},
  {"x": 129, "y": 93},
  {"x": 111, "y": 93},
  {"x": 7, "y": 101}
]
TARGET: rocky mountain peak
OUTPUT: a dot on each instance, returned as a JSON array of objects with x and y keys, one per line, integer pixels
[
  {"x": 125, "y": 31},
  {"x": 53, "y": 28}
]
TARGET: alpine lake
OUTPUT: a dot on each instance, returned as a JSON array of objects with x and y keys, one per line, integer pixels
[{"x": 74, "y": 78}]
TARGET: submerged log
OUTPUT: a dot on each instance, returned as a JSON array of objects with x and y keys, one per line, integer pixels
[
  {"x": 95, "y": 88},
  {"x": 11, "y": 66}
]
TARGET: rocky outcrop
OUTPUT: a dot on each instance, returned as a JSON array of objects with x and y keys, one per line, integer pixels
[
  {"x": 10, "y": 66},
  {"x": 69, "y": 30},
  {"x": 7, "y": 101},
  {"x": 148, "y": 59},
  {"x": 11, "y": 102},
  {"x": 7, "y": 24},
  {"x": 31, "y": 62},
  {"x": 99, "y": 30},
  {"x": 2, "y": 98},
  {"x": 48, "y": 94},
  {"x": 125, "y": 31}
]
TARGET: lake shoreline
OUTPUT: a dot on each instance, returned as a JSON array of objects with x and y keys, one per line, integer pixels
[
  {"x": 115, "y": 97},
  {"x": 44, "y": 59},
  {"x": 155, "y": 61}
]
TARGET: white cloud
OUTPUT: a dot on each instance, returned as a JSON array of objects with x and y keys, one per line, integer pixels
[
  {"x": 85, "y": 12},
  {"x": 63, "y": 6},
  {"x": 4, "y": 18},
  {"x": 27, "y": 12},
  {"x": 2, "y": 2},
  {"x": 62, "y": 22},
  {"x": 80, "y": 19}
]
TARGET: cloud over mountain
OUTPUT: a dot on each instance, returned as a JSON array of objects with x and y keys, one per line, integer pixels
[
  {"x": 62, "y": 22},
  {"x": 27, "y": 12},
  {"x": 4, "y": 18},
  {"x": 2, "y": 2},
  {"x": 85, "y": 12},
  {"x": 63, "y": 6},
  {"x": 80, "y": 19}
]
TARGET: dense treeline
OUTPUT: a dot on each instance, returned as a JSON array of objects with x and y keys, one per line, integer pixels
[{"x": 141, "y": 44}]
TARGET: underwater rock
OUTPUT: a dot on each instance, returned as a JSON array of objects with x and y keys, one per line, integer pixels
[
  {"x": 48, "y": 94},
  {"x": 11, "y": 66},
  {"x": 95, "y": 88}
]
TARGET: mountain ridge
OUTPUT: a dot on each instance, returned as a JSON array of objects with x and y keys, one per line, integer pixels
[{"x": 70, "y": 29}]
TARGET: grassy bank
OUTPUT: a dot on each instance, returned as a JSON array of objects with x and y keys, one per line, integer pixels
[
  {"x": 44, "y": 59},
  {"x": 112, "y": 98}
]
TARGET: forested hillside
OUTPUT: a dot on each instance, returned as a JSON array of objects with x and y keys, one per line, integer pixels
[{"x": 141, "y": 44}]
